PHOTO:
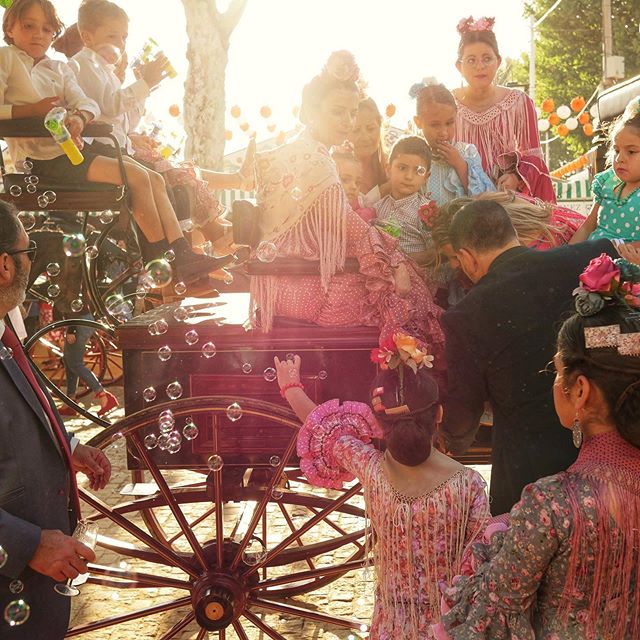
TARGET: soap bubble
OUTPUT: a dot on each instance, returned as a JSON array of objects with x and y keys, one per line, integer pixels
[
  {"x": 421, "y": 170},
  {"x": 27, "y": 165},
  {"x": 209, "y": 350},
  {"x": 152, "y": 329},
  {"x": 149, "y": 394},
  {"x": 16, "y": 586},
  {"x": 228, "y": 277},
  {"x": 151, "y": 441},
  {"x": 4, "y": 556},
  {"x": 117, "y": 441},
  {"x": 28, "y": 220},
  {"x": 164, "y": 353},
  {"x": 53, "y": 290},
  {"x": 174, "y": 390},
  {"x": 6, "y": 353},
  {"x": 170, "y": 255},
  {"x": 270, "y": 374},
  {"x": 92, "y": 252},
  {"x": 174, "y": 445},
  {"x": 274, "y": 461},
  {"x": 266, "y": 251},
  {"x": 166, "y": 426},
  {"x": 163, "y": 441},
  {"x": 215, "y": 463},
  {"x": 296, "y": 193},
  {"x": 74, "y": 245},
  {"x": 277, "y": 493},
  {"x": 32, "y": 180},
  {"x": 190, "y": 430},
  {"x": 290, "y": 356},
  {"x": 158, "y": 273},
  {"x": 254, "y": 552},
  {"x": 31, "y": 188},
  {"x": 191, "y": 337},
  {"x": 76, "y": 305},
  {"x": 161, "y": 326},
  {"x": 322, "y": 375},
  {"x": 51, "y": 196},
  {"x": 247, "y": 367},
  {"x": 141, "y": 292},
  {"x": 53, "y": 269},
  {"x": 180, "y": 314},
  {"x": 234, "y": 412},
  {"x": 180, "y": 288},
  {"x": 17, "y": 612},
  {"x": 119, "y": 308},
  {"x": 43, "y": 202},
  {"x": 106, "y": 216},
  {"x": 15, "y": 190}
]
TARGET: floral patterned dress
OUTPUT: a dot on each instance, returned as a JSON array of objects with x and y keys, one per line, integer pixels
[
  {"x": 420, "y": 541},
  {"x": 567, "y": 568}
]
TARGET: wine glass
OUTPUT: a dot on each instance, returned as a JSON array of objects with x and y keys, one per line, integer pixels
[{"x": 87, "y": 533}]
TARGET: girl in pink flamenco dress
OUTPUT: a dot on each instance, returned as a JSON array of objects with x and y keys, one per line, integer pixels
[
  {"x": 500, "y": 121},
  {"x": 425, "y": 508},
  {"x": 304, "y": 212}
]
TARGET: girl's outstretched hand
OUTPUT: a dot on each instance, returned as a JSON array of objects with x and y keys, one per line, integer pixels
[{"x": 288, "y": 370}]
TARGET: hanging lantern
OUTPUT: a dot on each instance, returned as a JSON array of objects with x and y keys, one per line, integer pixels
[
  {"x": 271, "y": 127},
  {"x": 228, "y": 135},
  {"x": 244, "y": 126},
  {"x": 235, "y": 111},
  {"x": 548, "y": 105},
  {"x": 563, "y": 111},
  {"x": 588, "y": 129},
  {"x": 584, "y": 117},
  {"x": 174, "y": 110},
  {"x": 593, "y": 111},
  {"x": 265, "y": 111},
  {"x": 543, "y": 125},
  {"x": 563, "y": 130},
  {"x": 572, "y": 123},
  {"x": 578, "y": 103},
  {"x": 390, "y": 110},
  {"x": 281, "y": 137},
  {"x": 554, "y": 119}
]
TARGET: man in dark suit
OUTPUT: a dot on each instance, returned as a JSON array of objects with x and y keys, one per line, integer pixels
[
  {"x": 38, "y": 460},
  {"x": 499, "y": 340}
]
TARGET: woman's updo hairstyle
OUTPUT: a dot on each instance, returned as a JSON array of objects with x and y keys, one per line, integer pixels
[
  {"x": 472, "y": 31},
  {"x": 617, "y": 376},
  {"x": 339, "y": 73},
  {"x": 430, "y": 91},
  {"x": 407, "y": 435}
]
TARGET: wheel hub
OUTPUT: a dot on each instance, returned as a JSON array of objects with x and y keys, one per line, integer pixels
[{"x": 218, "y": 600}]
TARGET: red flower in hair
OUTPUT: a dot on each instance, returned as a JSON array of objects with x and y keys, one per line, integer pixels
[
  {"x": 469, "y": 24},
  {"x": 428, "y": 213}
]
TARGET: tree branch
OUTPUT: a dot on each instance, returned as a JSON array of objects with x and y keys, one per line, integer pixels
[{"x": 229, "y": 20}]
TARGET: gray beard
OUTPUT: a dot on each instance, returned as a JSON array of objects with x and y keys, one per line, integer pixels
[{"x": 16, "y": 293}]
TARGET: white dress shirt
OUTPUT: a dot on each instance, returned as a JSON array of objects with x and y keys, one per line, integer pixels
[
  {"x": 73, "y": 443},
  {"x": 23, "y": 82},
  {"x": 119, "y": 107}
]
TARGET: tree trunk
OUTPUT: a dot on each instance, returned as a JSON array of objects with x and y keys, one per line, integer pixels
[{"x": 208, "y": 31}]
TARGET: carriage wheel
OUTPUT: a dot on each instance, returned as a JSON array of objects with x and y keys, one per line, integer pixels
[{"x": 221, "y": 550}]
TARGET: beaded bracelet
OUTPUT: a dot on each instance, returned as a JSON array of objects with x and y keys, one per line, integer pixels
[{"x": 290, "y": 385}]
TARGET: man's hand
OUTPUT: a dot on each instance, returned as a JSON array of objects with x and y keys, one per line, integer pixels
[
  {"x": 41, "y": 108},
  {"x": 60, "y": 557},
  {"x": 94, "y": 464}
]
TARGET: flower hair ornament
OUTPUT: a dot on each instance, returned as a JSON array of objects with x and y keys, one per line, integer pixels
[
  {"x": 342, "y": 66},
  {"x": 417, "y": 87},
  {"x": 469, "y": 24},
  {"x": 607, "y": 282}
]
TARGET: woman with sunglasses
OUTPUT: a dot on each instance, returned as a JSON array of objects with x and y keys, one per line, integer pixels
[{"x": 500, "y": 121}]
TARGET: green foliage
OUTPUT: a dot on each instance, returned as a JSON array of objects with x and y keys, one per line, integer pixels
[{"x": 569, "y": 57}]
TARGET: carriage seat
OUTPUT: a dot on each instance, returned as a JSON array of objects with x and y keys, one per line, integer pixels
[{"x": 244, "y": 217}]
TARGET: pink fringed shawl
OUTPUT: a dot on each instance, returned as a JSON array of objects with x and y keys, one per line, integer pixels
[{"x": 610, "y": 466}]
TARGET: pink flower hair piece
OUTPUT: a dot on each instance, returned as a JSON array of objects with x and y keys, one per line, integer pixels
[
  {"x": 342, "y": 66},
  {"x": 469, "y": 24}
]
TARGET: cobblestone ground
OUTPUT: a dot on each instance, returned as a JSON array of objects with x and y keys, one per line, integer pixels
[{"x": 349, "y": 596}]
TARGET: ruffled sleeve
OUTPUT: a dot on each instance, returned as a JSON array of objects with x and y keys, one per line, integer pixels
[
  {"x": 333, "y": 442},
  {"x": 478, "y": 181},
  {"x": 495, "y": 602},
  {"x": 597, "y": 186}
]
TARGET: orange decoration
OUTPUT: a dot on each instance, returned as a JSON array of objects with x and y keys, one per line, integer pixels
[
  {"x": 271, "y": 128},
  {"x": 578, "y": 103},
  {"x": 548, "y": 105},
  {"x": 235, "y": 111},
  {"x": 583, "y": 118},
  {"x": 554, "y": 119},
  {"x": 265, "y": 111},
  {"x": 588, "y": 129},
  {"x": 563, "y": 130},
  {"x": 174, "y": 110},
  {"x": 244, "y": 126},
  {"x": 390, "y": 110},
  {"x": 228, "y": 135},
  {"x": 281, "y": 137}
]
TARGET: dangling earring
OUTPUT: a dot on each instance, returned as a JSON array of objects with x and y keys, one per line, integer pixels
[{"x": 576, "y": 432}]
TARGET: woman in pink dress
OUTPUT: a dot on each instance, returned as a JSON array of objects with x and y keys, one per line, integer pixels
[
  {"x": 304, "y": 212},
  {"x": 500, "y": 121},
  {"x": 425, "y": 508}
]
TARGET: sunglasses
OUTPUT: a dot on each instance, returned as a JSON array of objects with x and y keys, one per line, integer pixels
[{"x": 31, "y": 251}]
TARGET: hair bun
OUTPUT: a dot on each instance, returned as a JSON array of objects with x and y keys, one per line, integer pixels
[{"x": 342, "y": 66}]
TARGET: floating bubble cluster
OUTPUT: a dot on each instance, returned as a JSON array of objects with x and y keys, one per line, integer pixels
[{"x": 150, "y": 441}]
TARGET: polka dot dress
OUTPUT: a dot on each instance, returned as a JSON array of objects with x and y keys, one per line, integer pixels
[{"x": 618, "y": 218}]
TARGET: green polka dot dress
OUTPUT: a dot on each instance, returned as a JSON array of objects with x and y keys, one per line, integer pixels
[{"x": 618, "y": 217}]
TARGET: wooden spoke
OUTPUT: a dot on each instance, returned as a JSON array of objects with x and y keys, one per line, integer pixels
[
  {"x": 292, "y": 528},
  {"x": 143, "y": 613},
  {"x": 301, "y": 612},
  {"x": 193, "y": 524},
  {"x": 335, "y": 527},
  {"x": 138, "y": 579},
  {"x": 263, "y": 626},
  {"x": 302, "y": 576},
  {"x": 202, "y": 635},
  {"x": 179, "y": 626},
  {"x": 239, "y": 631}
]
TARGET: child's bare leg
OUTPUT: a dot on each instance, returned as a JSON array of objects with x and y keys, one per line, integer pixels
[{"x": 145, "y": 213}]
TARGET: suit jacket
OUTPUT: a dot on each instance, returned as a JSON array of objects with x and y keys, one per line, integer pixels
[
  {"x": 499, "y": 338},
  {"x": 34, "y": 495}
]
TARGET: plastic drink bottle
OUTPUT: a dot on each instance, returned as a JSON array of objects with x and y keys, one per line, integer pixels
[
  {"x": 150, "y": 51},
  {"x": 54, "y": 123}
]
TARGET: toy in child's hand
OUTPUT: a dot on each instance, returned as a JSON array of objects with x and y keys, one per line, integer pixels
[
  {"x": 54, "y": 122},
  {"x": 151, "y": 51}
]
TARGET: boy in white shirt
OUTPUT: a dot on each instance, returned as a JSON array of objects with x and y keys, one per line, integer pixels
[{"x": 31, "y": 84}]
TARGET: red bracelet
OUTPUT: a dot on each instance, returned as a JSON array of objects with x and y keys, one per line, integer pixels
[{"x": 290, "y": 385}]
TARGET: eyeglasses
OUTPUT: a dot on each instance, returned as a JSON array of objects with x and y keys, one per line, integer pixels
[
  {"x": 31, "y": 251},
  {"x": 472, "y": 61}
]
